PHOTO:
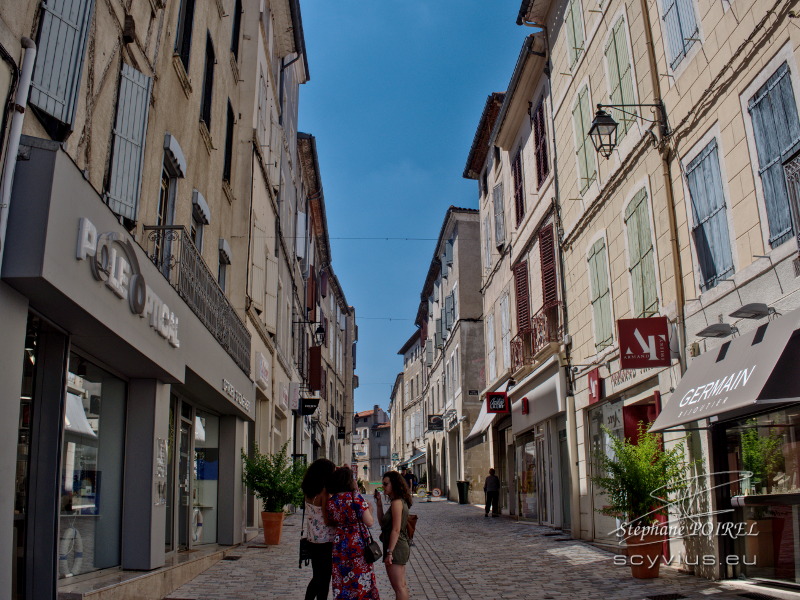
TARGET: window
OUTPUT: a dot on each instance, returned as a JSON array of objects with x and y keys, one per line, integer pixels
[
  {"x": 208, "y": 84},
  {"x": 523, "y": 301},
  {"x": 505, "y": 331},
  {"x": 776, "y": 127},
  {"x": 224, "y": 261},
  {"x": 540, "y": 139},
  {"x": 519, "y": 193},
  {"x": 600, "y": 294},
  {"x": 620, "y": 77},
  {"x": 491, "y": 355},
  {"x": 164, "y": 218},
  {"x": 125, "y": 177},
  {"x": 226, "y": 167},
  {"x": 263, "y": 109},
  {"x": 200, "y": 218},
  {"x": 487, "y": 245},
  {"x": 710, "y": 228},
  {"x": 63, "y": 30},
  {"x": 584, "y": 151},
  {"x": 485, "y": 182},
  {"x": 183, "y": 37},
  {"x": 499, "y": 215},
  {"x": 680, "y": 28},
  {"x": 573, "y": 20},
  {"x": 237, "y": 28},
  {"x": 547, "y": 257},
  {"x": 640, "y": 250}
]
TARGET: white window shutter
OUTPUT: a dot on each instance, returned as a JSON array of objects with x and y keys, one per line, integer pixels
[
  {"x": 301, "y": 235},
  {"x": 130, "y": 129},
  {"x": 258, "y": 279},
  {"x": 271, "y": 296}
]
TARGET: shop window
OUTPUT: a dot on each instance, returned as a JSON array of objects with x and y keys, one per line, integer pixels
[
  {"x": 205, "y": 482},
  {"x": 604, "y": 421},
  {"x": 92, "y": 463}
]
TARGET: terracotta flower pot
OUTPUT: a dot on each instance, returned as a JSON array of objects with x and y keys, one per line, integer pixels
[
  {"x": 273, "y": 527},
  {"x": 644, "y": 553}
]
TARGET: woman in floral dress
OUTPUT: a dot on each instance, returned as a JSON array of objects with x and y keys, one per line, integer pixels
[{"x": 353, "y": 577}]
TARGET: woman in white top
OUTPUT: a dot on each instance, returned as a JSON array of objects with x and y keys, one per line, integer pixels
[{"x": 319, "y": 534}]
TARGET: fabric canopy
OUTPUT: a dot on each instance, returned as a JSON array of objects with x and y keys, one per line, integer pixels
[{"x": 738, "y": 374}]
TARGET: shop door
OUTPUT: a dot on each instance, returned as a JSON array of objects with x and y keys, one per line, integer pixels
[
  {"x": 566, "y": 491},
  {"x": 543, "y": 473},
  {"x": 184, "y": 478}
]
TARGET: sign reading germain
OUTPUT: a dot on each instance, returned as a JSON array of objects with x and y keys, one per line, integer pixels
[
  {"x": 112, "y": 260},
  {"x": 497, "y": 402}
]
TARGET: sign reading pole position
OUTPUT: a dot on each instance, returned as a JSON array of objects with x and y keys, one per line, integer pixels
[
  {"x": 497, "y": 402},
  {"x": 643, "y": 343}
]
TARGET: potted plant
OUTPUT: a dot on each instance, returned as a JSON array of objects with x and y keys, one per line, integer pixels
[
  {"x": 633, "y": 477},
  {"x": 275, "y": 480}
]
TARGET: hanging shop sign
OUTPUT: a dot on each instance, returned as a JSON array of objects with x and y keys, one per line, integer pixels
[
  {"x": 595, "y": 382},
  {"x": 112, "y": 260},
  {"x": 497, "y": 402},
  {"x": 452, "y": 421},
  {"x": 341, "y": 432},
  {"x": 525, "y": 406},
  {"x": 644, "y": 343},
  {"x": 263, "y": 375},
  {"x": 435, "y": 423}
]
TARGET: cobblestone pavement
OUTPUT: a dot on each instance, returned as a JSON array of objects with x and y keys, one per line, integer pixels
[{"x": 460, "y": 555}]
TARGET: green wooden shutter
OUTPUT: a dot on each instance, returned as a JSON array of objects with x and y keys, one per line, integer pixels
[
  {"x": 581, "y": 117},
  {"x": 574, "y": 25},
  {"x": 620, "y": 78},
  {"x": 600, "y": 294},
  {"x": 640, "y": 250}
]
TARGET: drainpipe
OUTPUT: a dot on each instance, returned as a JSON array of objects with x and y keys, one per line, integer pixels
[
  {"x": 20, "y": 101},
  {"x": 666, "y": 173}
]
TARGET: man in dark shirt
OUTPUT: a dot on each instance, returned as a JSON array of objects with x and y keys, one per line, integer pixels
[
  {"x": 491, "y": 486},
  {"x": 410, "y": 479}
]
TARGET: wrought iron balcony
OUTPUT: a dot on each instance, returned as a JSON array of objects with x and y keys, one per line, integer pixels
[
  {"x": 545, "y": 328},
  {"x": 174, "y": 254}
]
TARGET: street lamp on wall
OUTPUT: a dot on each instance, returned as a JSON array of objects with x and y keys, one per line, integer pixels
[
  {"x": 603, "y": 131},
  {"x": 319, "y": 332}
]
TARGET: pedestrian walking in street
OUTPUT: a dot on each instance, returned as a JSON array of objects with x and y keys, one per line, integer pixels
[
  {"x": 353, "y": 578},
  {"x": 394, "y": 530},
  {"x": 319, "y": 534},
  {"x": 491, "y": 486},
  {"x": 410, "y": 479}
]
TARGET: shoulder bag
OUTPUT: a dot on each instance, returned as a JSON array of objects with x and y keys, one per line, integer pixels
[
  {"x": 305, "y": 545},
  {"x": 372, "y": 551}
]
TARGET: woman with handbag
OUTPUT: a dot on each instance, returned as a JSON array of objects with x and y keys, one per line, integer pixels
[
  {"x": 394, "y": 531},
  {"x": 319, "y": 535},
  {"x": 353, "y": 577}
]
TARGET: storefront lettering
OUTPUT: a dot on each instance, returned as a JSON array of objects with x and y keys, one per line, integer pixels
[
  {"x": 112, "y": 260},
  {"x": 713, "y": 388},
  {"x": 235, "y": 395}
]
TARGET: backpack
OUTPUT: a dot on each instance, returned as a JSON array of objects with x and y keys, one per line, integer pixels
[{"x": 411, "y": 526}]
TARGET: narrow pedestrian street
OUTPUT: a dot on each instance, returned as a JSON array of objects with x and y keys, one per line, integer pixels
[{"x": 460, "y": 555}]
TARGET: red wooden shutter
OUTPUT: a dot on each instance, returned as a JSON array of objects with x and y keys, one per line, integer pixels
[
  {"x": 323, "y": 283},
  {"x": 548, "y": 259},
  {"x": 523, "y": 301},
  {"x": 539, "y": 130},
  {"x": 519, "y": 196},
  {"x": 323, "y": 384}
]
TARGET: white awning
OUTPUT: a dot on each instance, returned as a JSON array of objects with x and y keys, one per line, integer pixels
[
  {"x": 200, "y": 207},
  {"x": 175, "y": 155},
  {"x": 482, "y": 423},
  {"x": 75, "y": 420},
  {"x": 224, "y": 251}
]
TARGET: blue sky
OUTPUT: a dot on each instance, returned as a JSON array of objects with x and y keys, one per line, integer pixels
[{"x": 395, "y": 96}]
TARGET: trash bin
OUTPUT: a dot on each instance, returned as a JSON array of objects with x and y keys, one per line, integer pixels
[{"x": 463, "y": 492}]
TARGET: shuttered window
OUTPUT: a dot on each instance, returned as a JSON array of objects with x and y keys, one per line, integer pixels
[
  {"x": 523, "y": 300},
  {"x": 519, "y": 194},
  {"x": 258, "y": 278},
  {"x": 573, "y": 20},
  {"x": 448, "y": 311},
  {"x": 540, "y": 139},
  {"x": 680, "y": 27},
  {"x": 620, "y": 77},
  {"x": 710, "y": 227},
  {"x": 208, "y": 85},
  {"x": 776, "y": 127},
  {"x": 640, "y": 251},
  {"x": 600, "y": 295},
  {"x": 492, "y": 350},
  {"x": 505, "y": 331},
  {"x": 183, "y": 37},
  {"x": 130, "y": 129},
  {"x": 228, "y": 159},
  {"x": 499, "y": 215},
  {"x": 56, "y": 78},
  {"x": 547, "y": 256},
  {"x": 584, "y": 151},
  {"x": 487, "y": 245}
]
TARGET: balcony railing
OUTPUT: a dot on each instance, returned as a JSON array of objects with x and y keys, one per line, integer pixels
[
  {"x": 545, "y": 328},
  {"x": 174, "y": 254}
]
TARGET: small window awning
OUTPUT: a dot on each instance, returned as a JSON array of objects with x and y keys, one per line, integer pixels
[
  {"x": 482, "y": 423},
  {"x": 200, "y": 207},
  {"x": 757, "y": 368},
  {"x": 413, "y": 460}
]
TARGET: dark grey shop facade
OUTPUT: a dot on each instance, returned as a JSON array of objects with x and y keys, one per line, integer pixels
[{"x": 124, "y": 412}]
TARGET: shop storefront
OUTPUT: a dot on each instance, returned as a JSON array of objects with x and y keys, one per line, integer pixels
[
  {"x": 129, "y": 414},
  {"x": 744, "y": 394},
  {"x": 540, "y": 449}
]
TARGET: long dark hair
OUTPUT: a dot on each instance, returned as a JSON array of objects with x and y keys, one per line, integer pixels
[
  {"x": 341, "y": 480},
  {"x": 315, "y": 477},
  {"x": 399, "y": 487}
]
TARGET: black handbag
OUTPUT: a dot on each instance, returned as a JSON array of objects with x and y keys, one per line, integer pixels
[
  {"x": 372, "y": 551},
  {"x": 305, "y": 545}
]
